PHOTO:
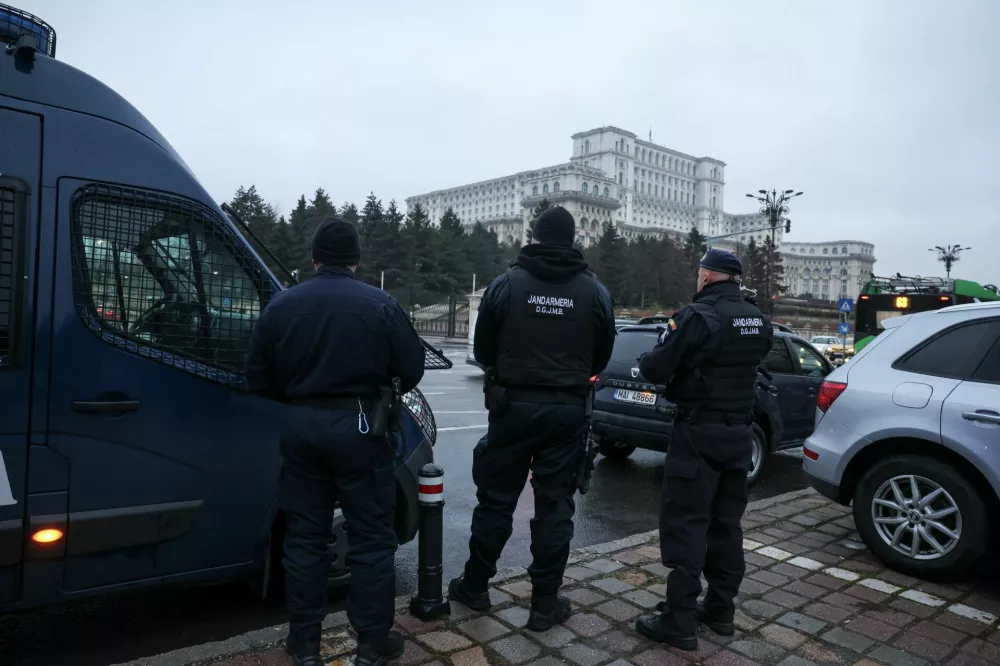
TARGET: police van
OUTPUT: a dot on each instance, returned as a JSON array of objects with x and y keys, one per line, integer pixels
[{"x": 131, "y": 453}]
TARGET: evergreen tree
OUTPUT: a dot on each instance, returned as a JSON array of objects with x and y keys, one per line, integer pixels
[
  {"x": 775, "y": 270},
  {"x": 612, "y": 261},
  {"x": 417, "y": 239},
  {"x": 377, "y": 242},
  {"x": 300, "y": 241},
  {"x": 350, "y": 213},
  {"x": 454, "y": 264},
  {"x": 695, "y": 246}
]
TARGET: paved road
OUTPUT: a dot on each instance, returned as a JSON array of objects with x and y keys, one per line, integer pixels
[{"x": 623, "y": 500}]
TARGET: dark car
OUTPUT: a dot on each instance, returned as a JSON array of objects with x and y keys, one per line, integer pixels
[{"x": 630, "y": 412}]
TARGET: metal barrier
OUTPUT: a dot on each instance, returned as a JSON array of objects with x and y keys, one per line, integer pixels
[{"x": 430, "y": 604}]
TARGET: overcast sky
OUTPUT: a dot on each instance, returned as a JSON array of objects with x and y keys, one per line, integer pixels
[{"x": 884, "y": 112}]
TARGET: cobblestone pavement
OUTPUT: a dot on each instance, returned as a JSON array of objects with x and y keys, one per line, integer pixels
[{"x": 813, "y": 595}]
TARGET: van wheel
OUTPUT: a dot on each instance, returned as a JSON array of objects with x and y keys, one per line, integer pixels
[
  {"x": 614, "y": 450},
  {"x": 921, "y": 516},
  {"x": 340, "y": 575},
  {"x": 758, "y": 453}
]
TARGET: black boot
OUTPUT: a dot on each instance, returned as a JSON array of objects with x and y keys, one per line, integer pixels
[
  {"x": 302, "y": 656},
  {"x": 663, "y": 628},
  {"x": 718, "y": 621},
  {"x": 377, "y": 653},
  {"x": 547, "y": 612},
  {"x": 458, "y": 590}
]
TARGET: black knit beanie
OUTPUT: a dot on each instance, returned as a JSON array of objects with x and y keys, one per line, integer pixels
[
  {"x": 336, "y": 243},
  {"x": 555, "y": 226}
]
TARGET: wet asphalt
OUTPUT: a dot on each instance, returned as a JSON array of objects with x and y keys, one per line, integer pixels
[{"x": 623, "y": 500}]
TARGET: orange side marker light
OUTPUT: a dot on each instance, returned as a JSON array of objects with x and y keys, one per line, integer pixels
[{"x": 48, "y": 535}]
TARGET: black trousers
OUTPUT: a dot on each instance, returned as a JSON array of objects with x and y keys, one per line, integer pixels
[
  {"x": 549, "y": 441},
  {"x": 325, "y": 460},
  {"x": 704, "y": 497}
]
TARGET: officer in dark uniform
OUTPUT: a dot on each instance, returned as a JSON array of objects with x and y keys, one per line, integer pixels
[
  {"x": 544, "y": 328},
  {"x": 326, "y": 346},
  {"x": 707, "y": 356}
]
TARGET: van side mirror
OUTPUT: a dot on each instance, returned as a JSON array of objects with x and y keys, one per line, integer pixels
[{"x": 295, "y": 275}]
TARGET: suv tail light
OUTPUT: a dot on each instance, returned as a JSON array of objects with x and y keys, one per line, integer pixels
[{"x": 828, "y": 393}]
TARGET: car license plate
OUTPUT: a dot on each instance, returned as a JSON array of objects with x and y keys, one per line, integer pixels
[{"x": 635, "y": 397}]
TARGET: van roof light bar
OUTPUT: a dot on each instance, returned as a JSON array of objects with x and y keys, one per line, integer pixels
[{"x": 16, "y": 24}]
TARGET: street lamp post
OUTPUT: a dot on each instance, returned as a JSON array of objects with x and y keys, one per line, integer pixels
[
  {"x": 773, "y": 205},
  {"x": 948, "y": 255}
]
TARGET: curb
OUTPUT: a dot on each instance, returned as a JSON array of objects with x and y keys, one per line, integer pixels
[{"x": 270, "y": 637}]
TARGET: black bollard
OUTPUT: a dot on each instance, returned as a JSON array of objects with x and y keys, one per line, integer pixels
[{"x": 430, "y": 604}]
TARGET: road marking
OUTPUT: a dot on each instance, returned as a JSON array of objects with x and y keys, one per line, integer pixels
[
  {"x": 6, "y": 496},
  {"x": 473, "y": 427},
  {"x": 433, "y": 393}
]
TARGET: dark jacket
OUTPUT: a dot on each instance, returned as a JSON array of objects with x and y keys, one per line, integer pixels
[
  {"x": 709, "y": 351},
  {"x": 547, "y": 264},
  {"x": 332, "y": 336}
]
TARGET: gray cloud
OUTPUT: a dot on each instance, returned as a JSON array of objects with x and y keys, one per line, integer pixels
[{"x": 884, "y": 113}]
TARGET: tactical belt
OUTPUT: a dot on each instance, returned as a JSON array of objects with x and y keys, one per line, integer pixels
[
  {"x": 333, "y": 402},
  {"x": 547, "y": 396}
]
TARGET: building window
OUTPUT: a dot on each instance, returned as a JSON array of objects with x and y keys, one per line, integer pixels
[
  {"x": 843, "y": 250},
  {"x": 713, "y": 202},
  {"x": 583, "y": 188},
  {"x": 607, "y": 192},
  {"x": 586, "y": 148},
  {"x": 534, "y": 191},
  {"x": 545, "y": 188},
  {"x": 826, "y": 251},
  {"x": 621, "y": 178},
  {"x": 555, "y": 186}
]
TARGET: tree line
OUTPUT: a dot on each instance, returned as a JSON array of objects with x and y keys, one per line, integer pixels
[{"x": 423, "y": 264}]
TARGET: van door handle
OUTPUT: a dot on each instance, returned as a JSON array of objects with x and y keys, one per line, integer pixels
[
  {"x": 984, "y": 416},
  {"x": 93, "y": 406}
]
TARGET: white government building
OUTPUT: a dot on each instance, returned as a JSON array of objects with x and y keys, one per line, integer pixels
[{"x": 645, "y": 189}]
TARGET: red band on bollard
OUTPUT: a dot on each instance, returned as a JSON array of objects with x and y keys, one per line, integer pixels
[{"x": 432, "y": 490}]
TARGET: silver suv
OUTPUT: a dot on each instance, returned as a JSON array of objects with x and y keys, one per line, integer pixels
[{"x": 909, "y": 431}]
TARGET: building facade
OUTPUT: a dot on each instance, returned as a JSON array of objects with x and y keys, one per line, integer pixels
[
  {"x": 829, "y": 270},
  {"x": 615, "y": 177}
]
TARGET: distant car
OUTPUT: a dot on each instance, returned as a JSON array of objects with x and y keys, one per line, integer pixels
[
  {"x": 630, "y": 412},
  {"x": 823, "y": 342},
  {"x": 908, "y": 432},
  {"x": 658, "y": 318},
  {"x": 622, "y": 323}
]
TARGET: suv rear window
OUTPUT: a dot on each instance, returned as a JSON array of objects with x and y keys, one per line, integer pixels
[
  {"x": 630, "y": 345},
  {"x": 954, "y": 353}
]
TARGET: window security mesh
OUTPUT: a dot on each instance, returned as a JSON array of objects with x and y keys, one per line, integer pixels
[
  {"x": 10, "y": 237},
  {"x": 163, "y": 278}
]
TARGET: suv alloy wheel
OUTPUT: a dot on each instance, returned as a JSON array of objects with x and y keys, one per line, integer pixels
[{"x": 921, "y": 516}]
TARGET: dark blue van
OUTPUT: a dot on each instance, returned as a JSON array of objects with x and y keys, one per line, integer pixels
[{"x": 131, "y": 454}]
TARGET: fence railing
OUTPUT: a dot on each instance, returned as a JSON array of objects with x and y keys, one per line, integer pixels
[{"x": 443, "y": 320}]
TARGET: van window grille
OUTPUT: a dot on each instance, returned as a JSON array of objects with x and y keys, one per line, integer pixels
[
  {"x": 11, "y": 210},
  {"x": 164, "y": 278}
]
